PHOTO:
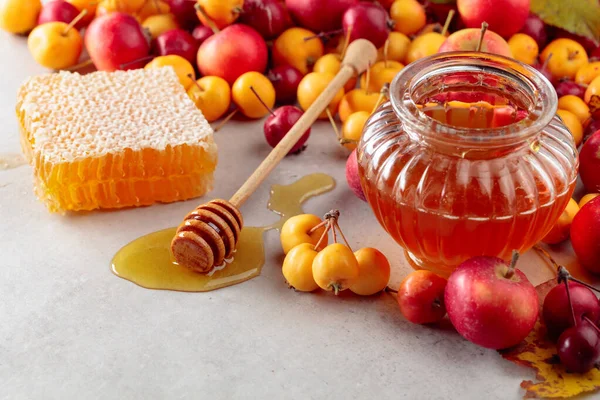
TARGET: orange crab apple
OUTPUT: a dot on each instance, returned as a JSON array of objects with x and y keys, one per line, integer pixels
[
  {"x": 424, "y": 45},
  {"x": 379, "y": 74},
  {"x": 408, "y": 15},
  {"x": 88, "y": 5},
  {"x": 152, "y": 7},
  {"x": 299, "y": 48},
  {"x": 352, "y": 129},
  {"x": 303, "y": 228},
  {"x": 561, "y": 229},
  {"x": 587, "y": 73},
  {"x": 587, "y": 198},
  {"x": 332, "y": 63},
  {"x": 212, "y": 96},
  {"x": 19, "y": 16},
  {"x": 573, "y": 124},
  {"x": 524, "y": 48},
  {"x": 221, "y": 13},
  {"x": 55, "y": 45},
  {"x": 567, "y": 57},
  {"x": 357, "y": 100},
  {"x": 395, "y": 49},
  {"x": 593, "y": 89},
  {"x": 310, "y": 88},
  {"x": 180, "y": 65},
  {"x": 576, "y": 105},
  {"x": 469, "y": 40},
  {"x": 159, "y": 24},
  {"x": 374, "y": 272}
]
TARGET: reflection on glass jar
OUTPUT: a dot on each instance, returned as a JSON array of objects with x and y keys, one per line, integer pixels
[{"x": 467, "y": 158}]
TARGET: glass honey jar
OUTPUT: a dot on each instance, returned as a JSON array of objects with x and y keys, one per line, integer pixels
[{"x": 467, "y": 158}]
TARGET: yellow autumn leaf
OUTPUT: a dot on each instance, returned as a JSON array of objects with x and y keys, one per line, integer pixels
[{"x": 581, "y": 17}]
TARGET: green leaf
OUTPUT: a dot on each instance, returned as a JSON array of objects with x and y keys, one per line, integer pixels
[{"x": 581, "y": 17}]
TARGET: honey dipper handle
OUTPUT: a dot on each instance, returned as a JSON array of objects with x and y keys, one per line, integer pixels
[{"x": 360, "y": 54}]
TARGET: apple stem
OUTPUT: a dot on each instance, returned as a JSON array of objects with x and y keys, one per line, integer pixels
[
  {"x": 336, "y": 288},
  {"x": 324, "y": 234},
  {"x": 368, "y": 78},
  {"x": 546, "y": 61},
  {"x": 333, "y": 124},
  {"x": 540, "y": 249},
  {"x": 78, "y": 18},
  {"x": 81, "y": 65},
  {"x": 225, "y": 120},
  {"x": 314, "y": 228},
  {"x": 346, "y": 42},
  {"x": 386, "y": 47},
  {"x": 156, "y": 6},
  {"x": 389, "y": 289},
  {"x": 573, "y": 55},
  {"x": 336, "y": 224},
  {"x": 269, "y": 109},
  {"x": 147, "y": 58},
  {"x": 585, "y": 317},
  {"x": 211, "y": 24},
  {"x": 570, "y": 302},
  {"x": 436, "y": 303},
  {"x": 484, "y": 28},
  {"x": 195, "y": 82},
  {"x": 584, "y": 284},
  {"x": 383, "y": 94},
  {"x": 323, "y": 35},
  {"x": 447, "y": 23},
  {"x": 513, "y": 262}
]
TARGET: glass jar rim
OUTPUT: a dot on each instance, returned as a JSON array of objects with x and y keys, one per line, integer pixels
[{"x": 540, "y": 112}]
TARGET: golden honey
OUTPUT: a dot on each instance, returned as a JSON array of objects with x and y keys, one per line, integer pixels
[{"x": 148, "y": 262}]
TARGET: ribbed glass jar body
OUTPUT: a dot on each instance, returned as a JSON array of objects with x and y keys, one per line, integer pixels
[{"x": 466, "y": 159}]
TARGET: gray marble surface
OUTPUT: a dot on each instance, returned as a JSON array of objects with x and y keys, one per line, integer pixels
[{"x": 70, "y": 329}]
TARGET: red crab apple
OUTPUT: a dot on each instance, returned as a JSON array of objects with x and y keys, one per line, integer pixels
[
  {"x": 536, "y": 28},
  {"x": 184, "y": 12},
  {"x": 268, "y": 17},
  {"x": 285, "y": 80},
  {"x": 468, "y": 40},
  {"x": 59, "y": 11},
  {"x": 585, "y": 235},
  {"x": 565, "y": 87},
  {"x": 201, "y": 33},
  {"x": 369, "y": 21},
  {"x": 114, "y": 41},
  {"x": 232, "y": 52},
  {"x": 505, "y": 17},
  {"x": 177, "y": 42},
  {"x": 278, "y": 124},
  {"x": 557, "y": 309},
  {"x": 579, "y": 348},
  {"x": 319, "y": 15},
  {"x": 589, "y": 164},
  {"x": 491, "y": 303},
  {"x": 352, "y": 176}
]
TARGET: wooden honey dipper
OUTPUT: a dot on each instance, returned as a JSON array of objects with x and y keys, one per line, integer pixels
[{"x": 210, "y": 233}]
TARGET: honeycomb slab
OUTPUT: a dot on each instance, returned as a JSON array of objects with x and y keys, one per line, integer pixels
[{"x": 114, "y": 139}]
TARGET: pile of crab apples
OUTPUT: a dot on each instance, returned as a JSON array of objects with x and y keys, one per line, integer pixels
[{"x": 272, "y": 58}]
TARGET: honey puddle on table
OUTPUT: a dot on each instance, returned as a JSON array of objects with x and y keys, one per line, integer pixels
[
  {"x": 10, "y": 161},
  {"x": 147, "y": 261}
]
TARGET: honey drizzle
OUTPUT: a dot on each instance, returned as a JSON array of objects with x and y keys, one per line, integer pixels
[
  {"x": 147, "y": 260},
  {"x": 10, "y": 161}
]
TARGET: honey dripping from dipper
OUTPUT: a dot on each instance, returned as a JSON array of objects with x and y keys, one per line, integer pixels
[{"x": 148, "y": 262}]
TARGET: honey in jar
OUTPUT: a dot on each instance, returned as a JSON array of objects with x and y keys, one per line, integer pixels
[{"x": 466, "y": 159}]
